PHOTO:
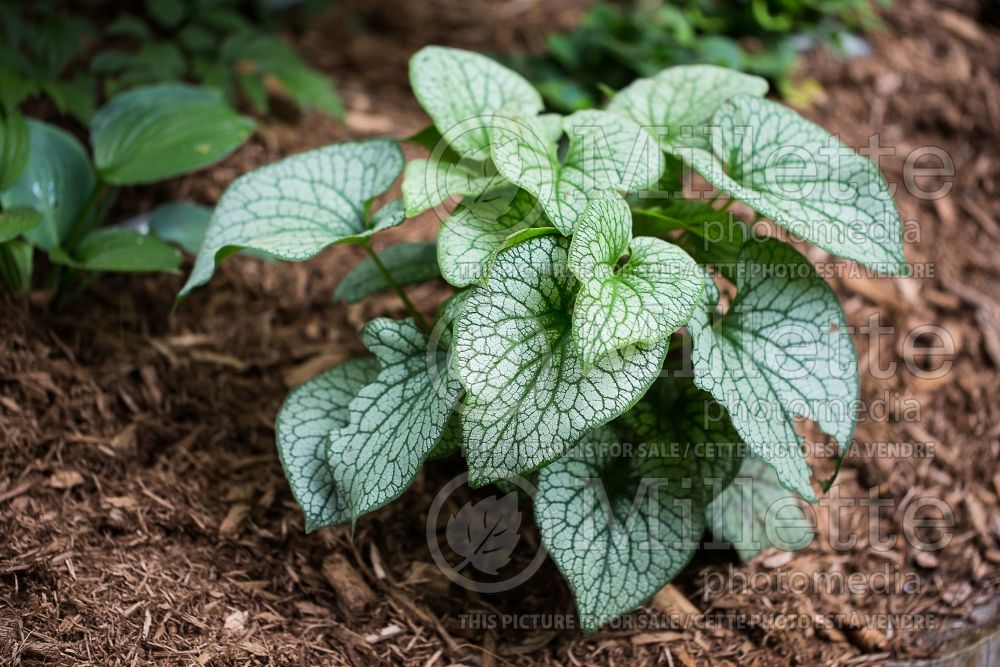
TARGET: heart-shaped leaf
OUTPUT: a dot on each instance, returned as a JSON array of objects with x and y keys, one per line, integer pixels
[
  {"x": 781, "y": 351},
  {"x": 57, "y": 182},
  {"x": 181, "y": 223},
  {"x": 605, "y": 152},
  {"x": 303, "y": 426},
  {"x": 677, "y": 104},
  {"x": 631, "y": 290},
  {"x": 528, "y": 400},
  {"x": 428, "y": 183},
  {"x": 295, "y": 208},
  {"x": 152, "y": 133},
  {"x": 461, "y": 91},
  {"x": 798, "y": 175},
  {"x": 395, "y": 421}
]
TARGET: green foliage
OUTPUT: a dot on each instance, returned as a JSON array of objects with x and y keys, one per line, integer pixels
[
  {"x": 617, "y": 42},
  {"x": 228, "y": 45},
  {"x": 55, "y": 198},
  {"x": 576, "y": 259}
]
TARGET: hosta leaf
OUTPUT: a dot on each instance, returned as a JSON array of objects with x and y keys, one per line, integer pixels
[
  {"x": 155, "y": 132},
  {"x": 394, "y": 421},
  {"x": 407, "y": 263},
  {"x": 631, "y": 290},
  {"x": 16, "y": 221},
  {"x": 121, "y": 250},
  {"x": 295, "y": 208},
  {"x": 478, "y": 227},
  {"x": 751, "y": 510},
  {"x": 677, "y": 104},
  {"x": 461, "y": 91},
  {"x": 16, "y": 264},
  {"x": 605, "y": 152},
  {"x": 14, "y": 147},
  {"x": 428, "y": 183},
  {"x": 528, "y": 401},
  {"x": 781, "y": 351},
  {"x": 181, "y": 223},
  {"x": 304, "y": 423},
  {"x": 621, "y": 523},
  {"x": 57, "y": 182},
  {"x": 795, "y": 173}
]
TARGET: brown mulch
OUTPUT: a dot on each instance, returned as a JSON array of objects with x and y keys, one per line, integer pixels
[{"x": 144, "y": 518}]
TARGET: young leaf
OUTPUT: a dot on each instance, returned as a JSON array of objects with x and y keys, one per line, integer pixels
[
  {"x": 155, "y": 132},
  {"x": 181, "y": 223},
  {"x": 428, "y": 183},
  {"x": 16, "y": 221},
  {"x": 478, "y": 227},
  {"x": 741, "y": 514},
  {"x": 295, "y": 208},
  {"x": 528, "y": 401},
  {"x": 461, "y": 91},
  {"x": 16, "y": 264},
  {"x": 408, "y": 263},
  {"x": 121, "y": 250},
  {"x": 304, "y": 423},
  {"x": 631, "y": 290},
  {"x": 394, "y": 421},
  {"x": 605, "y": 152},
  {"x": 797, "y": 174},
  {"x": 679, "y": 101},
  {"x": 621, "y": 523},
  {"x": 56, "y": 182},
  {"x": 781, "y": 351}
]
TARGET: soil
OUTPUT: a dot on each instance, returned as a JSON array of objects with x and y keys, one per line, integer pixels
[{"x": 144, "y": 517}]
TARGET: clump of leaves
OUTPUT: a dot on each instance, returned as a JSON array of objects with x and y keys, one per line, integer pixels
[
  {"x": 575, "y": 259},
  {"x": 54, "y": 195},
  {"x": 617, "y": 42},
  {"x": 229, "y": 45}
]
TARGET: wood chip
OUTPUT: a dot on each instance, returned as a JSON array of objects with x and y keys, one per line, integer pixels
[
  {"x": 388, "y": 632},
  {"x": 656, "y": 638},
  {"x": 65, "y": 479},
  {"x": 353, "y": 593}
]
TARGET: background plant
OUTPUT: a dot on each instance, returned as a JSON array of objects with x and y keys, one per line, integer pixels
[
  {"x": 78, "y": 59},
  {"x": 619, "y": 41},
  {"x": 55, "y": 195},
  {"x": 571, "y": 280}
]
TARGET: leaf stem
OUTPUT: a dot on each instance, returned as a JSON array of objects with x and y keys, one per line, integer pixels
[{"x": 391, "y": 282}]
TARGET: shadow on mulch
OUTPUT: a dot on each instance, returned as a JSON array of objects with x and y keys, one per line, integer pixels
[{"x": 144, "y": 517}]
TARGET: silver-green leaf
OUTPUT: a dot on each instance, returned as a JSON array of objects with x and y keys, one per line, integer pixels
[
  {"x": 781, "y": 352},
  {"x": 801, "y": 177},
  {"x": 295, "y": 208},
  {"x": 605, "y": 152},
  {"x": 528, "y": 399},
  {"x": 631, "y": 290},
  {"x": 430, "y": 182},
  {"x": 677, "y": 103},
  {"x": 303, "y": 426},
  {"x": 395, "y": 421}
]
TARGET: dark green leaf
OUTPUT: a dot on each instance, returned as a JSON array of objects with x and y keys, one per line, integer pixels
[{"x": 408, "y": 263}]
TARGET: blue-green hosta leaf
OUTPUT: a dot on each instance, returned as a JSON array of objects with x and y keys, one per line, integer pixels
[
  {"x": 749, "y": 513},
  {"x": 428, "y": 183},
  {"x": 57, "y": 182},
  {"x": 304, "y": 423},
  {"x": 795, "y": 173},
  {"x": 16, "y": 221},
  {"x": 181, "y": 223},
  {"x": 155, "y": 132},
  {"x": 461, "y": 91},
  {"x": 295, "y": 208},
  {"x": 780, "y": 352},
  {"x": 528, "y": 400},
  {"x": 396, "y": 420},
  {"x": 605, "y": 152},
  {"x": 677, "y": 103},
  {"x": 621, "y": 523},
  {"x": 408, "y": 263},
  {"x": 631, "y": 290},
  {"x": 478, "y": 227},
  {"x": 121, "y": 250}
]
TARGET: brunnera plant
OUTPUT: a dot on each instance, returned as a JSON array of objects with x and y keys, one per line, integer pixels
[{"x": 574, "y": 263}]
